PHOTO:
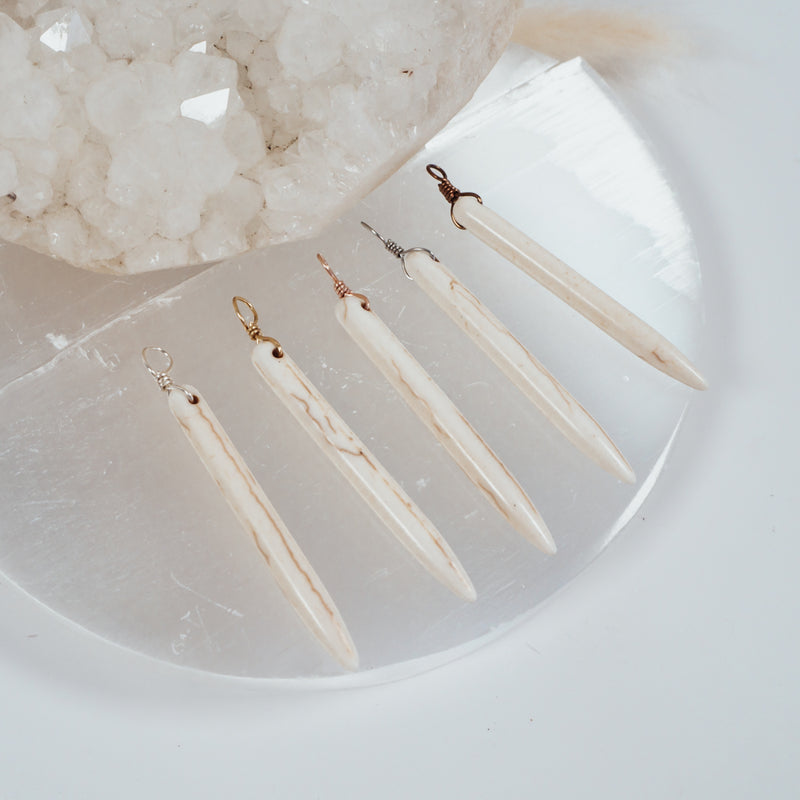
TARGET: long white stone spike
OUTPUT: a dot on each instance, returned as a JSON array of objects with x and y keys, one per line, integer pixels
[
  {"x": 586, "y": 298},
  {"x": 366, "y": 474},
  {"x": 444, "y": 420},
  {"x": 521, "y": 368},
  {"x": 295, "y": 576}
]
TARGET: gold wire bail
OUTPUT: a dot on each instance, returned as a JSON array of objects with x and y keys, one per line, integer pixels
[
  {"x": 162, "y": 378},
  {"x": 340, "y": 287},
  {"x": 449, "y": 192},
  {"x": 251, "y": 326}
]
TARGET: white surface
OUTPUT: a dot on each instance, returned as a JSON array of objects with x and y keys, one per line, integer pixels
[{"x": 668, "y": 669}]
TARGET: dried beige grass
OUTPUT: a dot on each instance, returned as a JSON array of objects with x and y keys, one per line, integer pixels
[{"x": 611, "y": 41}]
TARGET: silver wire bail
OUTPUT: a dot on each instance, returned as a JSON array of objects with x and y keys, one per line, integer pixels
[
  {"x": 396, "y": 250},
  {"x": 162, "y": 377}
]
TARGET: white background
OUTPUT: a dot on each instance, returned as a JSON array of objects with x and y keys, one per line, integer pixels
[{"x": 668, "y": 669}]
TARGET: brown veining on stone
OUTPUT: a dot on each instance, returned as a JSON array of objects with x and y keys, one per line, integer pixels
[
  {"x": 449, "y": 425},
  {"x": 252, "y": 488},
  {"x": 587, "y": 299},
  {"x": 234, "y": 464},
  {"x": 562, "y": 410},
  {"x": 370, "y": 479}
]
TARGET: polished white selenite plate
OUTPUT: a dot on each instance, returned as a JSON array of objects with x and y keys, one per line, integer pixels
[{"x": 108, "y": 518}]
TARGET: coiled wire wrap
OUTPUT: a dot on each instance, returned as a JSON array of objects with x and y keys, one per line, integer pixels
[
  {"x": 252, "y": 328},
  {"x": 448, "y": 191},
  {"x": 397, "y": 251},
  {"x": 340, "y": 287},
  {"x": 162, "y": 377}
]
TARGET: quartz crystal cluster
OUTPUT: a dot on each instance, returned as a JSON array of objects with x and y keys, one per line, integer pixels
[{"x": 143, "y": 134}]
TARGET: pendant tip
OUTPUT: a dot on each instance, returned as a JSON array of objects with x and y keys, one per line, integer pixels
[
  {"x": 627, "y": 475},
  {"x": 461, "y": 585},
  {"x": 344, "y": 651},
  {"x": 602, "y": 450},
  {"x": 540, "y": 536},
  {"x": 619, "y": 467},
  {"x": 687, "y": 373},
  {"x": 350, "y": 663},
  {"x": 674, "y": 363},
  {"x": 448, "y": 570}
]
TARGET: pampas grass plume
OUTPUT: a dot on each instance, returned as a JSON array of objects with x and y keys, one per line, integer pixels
[{"x": 611, "y": 41}]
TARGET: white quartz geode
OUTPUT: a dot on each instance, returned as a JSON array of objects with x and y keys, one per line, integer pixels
[{"x": 143, "y": 134}]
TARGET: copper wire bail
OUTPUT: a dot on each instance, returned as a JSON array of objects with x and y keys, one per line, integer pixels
[
  {"x": 449, "y": 192},
  {"x": 340, "y": 287}
]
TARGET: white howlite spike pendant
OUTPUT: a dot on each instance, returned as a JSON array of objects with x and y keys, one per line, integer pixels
[
  {"x": 294, "y": 574},
  {"x": 513, "y": 359},
  {"x": 469, "y": 213},
  {"x": 520, "y": 367},
  {"x": 365, "y": 473},
  {"x": 430, "y": 403}
]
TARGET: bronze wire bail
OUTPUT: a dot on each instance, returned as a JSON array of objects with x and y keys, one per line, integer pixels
[{"x": 449, "y": 192}]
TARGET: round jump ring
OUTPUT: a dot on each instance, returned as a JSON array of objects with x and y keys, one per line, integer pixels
[{"x": 162, "y": 378}]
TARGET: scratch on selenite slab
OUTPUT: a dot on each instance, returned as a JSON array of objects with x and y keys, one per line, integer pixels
[
  {"x": 65, "y": 347},
  {"x": 232, "y": 611}
]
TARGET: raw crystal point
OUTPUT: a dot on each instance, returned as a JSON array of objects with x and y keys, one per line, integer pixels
[{"x": 160, "y": 133}]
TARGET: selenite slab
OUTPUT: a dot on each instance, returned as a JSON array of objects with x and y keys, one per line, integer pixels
[{"x": 107, "y": 517}]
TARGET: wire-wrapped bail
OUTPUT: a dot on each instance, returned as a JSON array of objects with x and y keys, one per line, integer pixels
[
  {"x": 340, "y": 287},
  {"x": 162, "y": 376},
  {"x": 397, "y": 250},
  {"x": 448, "y": 191},
  {"x": 252, "y": 327}
]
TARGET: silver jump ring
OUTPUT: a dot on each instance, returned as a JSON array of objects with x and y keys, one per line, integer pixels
[{"x": 162, "y": 377}]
